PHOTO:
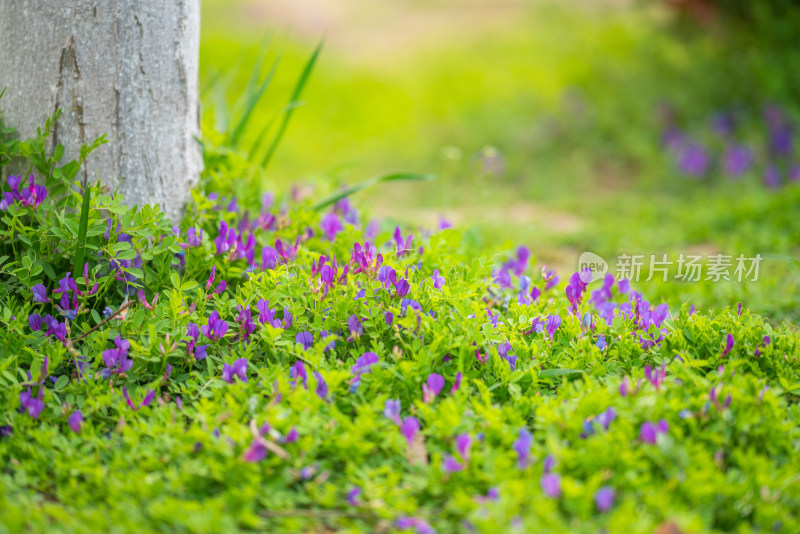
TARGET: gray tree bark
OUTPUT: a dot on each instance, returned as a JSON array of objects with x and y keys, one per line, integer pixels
[{"x": 126, "y": 68}]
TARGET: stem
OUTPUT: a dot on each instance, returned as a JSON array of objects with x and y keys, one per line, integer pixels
[{"x": 104, "y": 321}]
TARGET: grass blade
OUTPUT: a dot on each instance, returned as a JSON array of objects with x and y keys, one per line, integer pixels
[
  {"x": 252, "y": 97},
  {"x": 83, "y": 227},
  {"x": 298, "y": 90},
  {"x": 347, "y": 191}
]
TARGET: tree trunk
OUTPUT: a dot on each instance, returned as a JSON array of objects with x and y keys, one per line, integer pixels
[{"x": 126, "y": 68}]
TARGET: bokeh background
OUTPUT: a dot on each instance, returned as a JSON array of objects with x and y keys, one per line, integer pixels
[{"x": 610, "y": 126}]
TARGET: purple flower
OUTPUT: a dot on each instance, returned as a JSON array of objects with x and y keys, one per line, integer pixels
[
  {"x": 116, "y": 359},
  {"x": 656, "y": 377},
  {"x": 728, "y": 345},
  {"x": 352, "y": 496},
  {"x": 551, "y": 485},
  {"x": 402, "y": 286},
  {"x": 604, "y": 498},
  {"x": 389, "y": 317},
  {"x": 306, "y": 339},
  {"x": 457, "y": 383},
  {"x": 194, "y": 237},
  {"x": 772, "y": 177},
  {"x": 216, "y": 327},
  {"x": 33, "y": 405},
  {"x": 237, "y": 370},
  {"x": 553, "y": 322},
  {"x": 298, "y": 370},
  {"x": 418, "y": 524},
  {"x": 331, "y": 225},
  {"x": 322, "y": 386},
  {"x": 148, "y": 398},
  {"x": 549, "y": 463},
  {"x": 226, "y": 239},
  {"x": 292, "y": 436},
  {"x": 451, "y": 465},
  {"x": 364, "y": 363},
  {"x": 256, "y": 452},
  {"x": 650, "y": 431},
  {"x": 35, "y": 321},
  {"x": 269, "y": 258},
  {"x": 392, "y": 409},
  {"x": 693, "y": 159},
  {"x": 355, "y": 326},
  {"x": 737, "y": 160},
  {"x": 40, "y": 293},
  {"x": 522, "y": 446},
  {"x": 409, "y": 428},
  {"x": 463, "y": 444},
  {"x": 75, "y": 421},
  {"x": 601, "y": 342},
  {"x": 438, "y": 281},
  {"x": 432, "y": 388}
]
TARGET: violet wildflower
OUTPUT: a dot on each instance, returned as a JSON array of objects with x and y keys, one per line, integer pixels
[
  {"x": 194, "y": 237},
  {"x": 438, "y": 281},
  {"x": 215, "y": 328},
  {"x": 148, "y": 398},
  {"x": 269, "y": 258},
  {"x": 226, "y": 239},
  {"x": 389, "y": 317},
  {"x": 306, "y": 339},
  {"x": 322, "y": 386},
  {"x": 402, "y": 287},
  {"x": 33, "y": 405},
  {"x": 601, "y": 342},
  {"x": 432, "y": 387},
  {"x": 298, "y": 371},
  {"x": 116, "y": 359},
  {"x": 548, "y": 464},
  {"x": 656, "y": 377},
  {"x": 237, "y": 370},
  {"x": 553, "y": 322},
  {"x": 604, "y": 498},
  {"x": 387, "y": 276},
  {"x": 355, "y": 326},
  {"x": 457, "y": 383},
  {"x": 729, "y": 341},
  {"x": 292, "y": 436},
  {"x": 364, "y": 363},
  {"x": 35, "y": 321},
  {"x": 75, "y": 421},
  {"x": 331, "y": 225},
  {"x": 392, "y": 409},
  {"x": 418, "y": 524},
  {"x": 352, "y": 496},
  {"x": 246, "y": 324},
  {"x": 693, "y": 159},
  {"x": 256, "y": 452},
  {"x": 409, "y": 428},
  {"x": 650, "y": 431},
  {"x": 198, "y": 351},
  {"x": 772, "y": 177},
  {"x": 737, "y": 160},
  {"x": 40, "y": 293},
  {"x": 410, "y": 303},
  {"x": 451, "y": 465},
  {"x": 463, "y": 445},
  {"x": 551, "y": 485},
  {"x": 522, "y": 446}
]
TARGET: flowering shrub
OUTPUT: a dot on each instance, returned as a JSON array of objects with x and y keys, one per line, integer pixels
[
  {"x": 731, "y": 147},
  {"x": 268, "y": 365}
]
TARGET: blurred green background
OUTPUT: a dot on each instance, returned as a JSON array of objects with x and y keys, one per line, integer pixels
[{"x": 549, "y": 124}]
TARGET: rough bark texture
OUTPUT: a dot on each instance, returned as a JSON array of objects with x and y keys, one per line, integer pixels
[{"x": 126, "y": 68}]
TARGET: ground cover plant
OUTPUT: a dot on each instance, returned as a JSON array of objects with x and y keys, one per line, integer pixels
[{"x": 283, "y": 362}]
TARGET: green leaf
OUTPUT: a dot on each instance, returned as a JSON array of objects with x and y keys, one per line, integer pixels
[
  {"x": 298, "y": 90},
  {"x": 83, "y": 226},
  {"x": 61, "y": 383},
  {"x": 551, "y": 373},
  {"x": 395, "y": 177}
]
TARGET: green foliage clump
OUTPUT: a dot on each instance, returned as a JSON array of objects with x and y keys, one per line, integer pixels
[{"x": 262, "y": 367}]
